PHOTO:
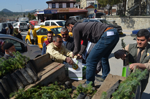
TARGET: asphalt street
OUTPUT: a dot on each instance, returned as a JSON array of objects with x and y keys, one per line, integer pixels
[{"x": 116, "y": 65}]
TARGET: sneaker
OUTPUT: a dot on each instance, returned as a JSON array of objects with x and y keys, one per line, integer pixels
[{"x": 99, "y": 79}]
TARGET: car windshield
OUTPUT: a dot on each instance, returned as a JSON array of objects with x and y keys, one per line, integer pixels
[
  {"x": 56, "y": 30},
  {"x": 61, "y": 23}
]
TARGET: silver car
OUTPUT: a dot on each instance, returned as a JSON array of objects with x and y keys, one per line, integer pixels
[{"x": 31, "y": 51}]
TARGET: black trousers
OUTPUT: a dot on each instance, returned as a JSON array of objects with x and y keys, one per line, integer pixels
[{"x": 34, "y": 41}]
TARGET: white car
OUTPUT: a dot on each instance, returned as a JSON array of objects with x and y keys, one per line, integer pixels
[
  {"x": 21, "y": 26},
  {"x": 54, "y": 22},
  {"x": 31, "y": 51}
]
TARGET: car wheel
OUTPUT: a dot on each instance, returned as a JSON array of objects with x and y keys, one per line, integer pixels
[{"x": 28, "y": 42}]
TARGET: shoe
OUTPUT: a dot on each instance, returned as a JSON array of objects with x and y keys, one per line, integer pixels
[{"x": 99, "y": 79}]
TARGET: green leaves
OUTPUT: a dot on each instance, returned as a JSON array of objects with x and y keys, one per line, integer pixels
[
  {"x": 11, "y": 64},
  {"x": 54, "y": 91},
  {"x": 127, "y": 88}
]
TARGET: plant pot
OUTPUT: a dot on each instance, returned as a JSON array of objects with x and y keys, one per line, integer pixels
[
  {"x": 3, "y": 94},
  {"x": 31, "y": 73},
  {"x": 26, "y": 75},
  {"x": 17, "y": 81},
  {"x": 22, "y": 78},
  {"x": 6, "y": 86},
  {"x": 11, "y": 83}
]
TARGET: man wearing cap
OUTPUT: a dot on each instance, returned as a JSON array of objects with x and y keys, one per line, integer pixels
[{"x": 9, "y": 48}]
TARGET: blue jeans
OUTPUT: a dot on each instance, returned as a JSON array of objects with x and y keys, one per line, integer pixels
[{"x": 101, "y": 50}]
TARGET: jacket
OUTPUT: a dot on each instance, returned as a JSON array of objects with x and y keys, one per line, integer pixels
[
  {"x": 88, "y": 31},
  {"x": 70, "y": 44},
  {"x": 33, "y": 33}
]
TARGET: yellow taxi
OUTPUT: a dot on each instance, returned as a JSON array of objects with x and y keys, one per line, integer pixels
[{"x": 42, "y": 34}]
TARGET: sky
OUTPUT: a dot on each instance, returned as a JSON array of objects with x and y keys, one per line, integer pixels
[{"x": 23, "y": 5}]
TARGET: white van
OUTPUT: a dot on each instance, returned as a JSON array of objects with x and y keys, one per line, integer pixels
[{"x": 21, "y": 26}]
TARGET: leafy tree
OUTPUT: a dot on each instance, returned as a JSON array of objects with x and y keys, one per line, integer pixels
[
  {"x": 103, "y": 3},
  {"x": 24, "y": 15},
  {"x": 29, "y": 16},
  {"x": 32, "y": 16},
  {"x": 77, "y": 0}
]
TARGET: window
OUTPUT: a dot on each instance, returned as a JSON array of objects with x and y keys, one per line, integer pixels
[
  {"x": 56, "y": 30},
  {"x": 18, "y": 45},
  {"x": 61, "y": 23},
  {"x": 42, "y": 31},
  {"x": 52, "y": 23},
  {"x": 68, "y": 5},
  {"x": 47, "y": 23},
  {"x": 53, "y": 5},
  {"x": 60, "y": 5}
]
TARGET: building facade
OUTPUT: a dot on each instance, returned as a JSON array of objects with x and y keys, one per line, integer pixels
[
  {"x": 86, "y": 3},
  {"x": 62, "y": 9}
]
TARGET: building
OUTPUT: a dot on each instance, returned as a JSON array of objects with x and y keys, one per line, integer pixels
[
  {"x": 86, "y": 3},
  {"x": 62, "y": 9}
]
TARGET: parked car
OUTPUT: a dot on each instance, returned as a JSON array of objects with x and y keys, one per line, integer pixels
[
  {"x": 3, "y": 26},
  {"x": 77, "y": 18},
  {"x": 54, "y": 22},
  {"x": 21, "y": 26},
  {"x": 31, "y": 51},
  {"x": 42, "y": 34},
  {"x": 91, "y": 20},
  {"x": 98, "y": 15},
  {"x": 134, "y": 32}
]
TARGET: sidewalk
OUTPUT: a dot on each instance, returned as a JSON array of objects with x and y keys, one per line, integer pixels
[{"x": 127, "y": 32}]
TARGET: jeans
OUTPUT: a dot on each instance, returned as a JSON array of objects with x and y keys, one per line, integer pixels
[{"x": 101, "y": 51}]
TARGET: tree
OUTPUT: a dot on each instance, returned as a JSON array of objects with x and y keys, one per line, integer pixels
[
  {"x": 29, "y": 16},
  {"x": 32, "y": 16},
  {"x": 24, "y": 15},
  {"x": 110, "y": 2}
]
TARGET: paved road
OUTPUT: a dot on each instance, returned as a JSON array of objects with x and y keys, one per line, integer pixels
[{"x": 116, "y": 65}]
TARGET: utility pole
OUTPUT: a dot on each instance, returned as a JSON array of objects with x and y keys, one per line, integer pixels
[{"x": 21, "y": 8}]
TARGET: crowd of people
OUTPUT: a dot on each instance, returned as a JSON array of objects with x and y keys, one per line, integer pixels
[{"x": 93, "y": 42}]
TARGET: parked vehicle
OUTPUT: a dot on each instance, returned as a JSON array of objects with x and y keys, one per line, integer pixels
[
  {"x": 91, "y": 20},
  {"x": 42, "y": 34},
  {"x": 3, "y": 26},
  {"x": 77, "y": 18},
  {"x": 31, "y": 51},
  {"x": 54, "y": 22},
  {"x": 134, "y": 32},
  {"x": 21, "y": 26},
  {"x": 98, "y": 15}
]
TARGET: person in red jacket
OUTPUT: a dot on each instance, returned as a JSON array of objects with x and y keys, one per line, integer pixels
[{"x": 49, "y": 40}]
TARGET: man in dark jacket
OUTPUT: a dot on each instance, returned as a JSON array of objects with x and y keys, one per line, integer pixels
[
  {"x": 67, "y": 40},
  {"x": 105, "y": 38},
  {"x": 9, "y": 49},
  {"x": 49, "y": 40}
]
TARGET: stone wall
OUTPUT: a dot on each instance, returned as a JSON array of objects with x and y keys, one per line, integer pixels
[{"x": 132, "y": 22}]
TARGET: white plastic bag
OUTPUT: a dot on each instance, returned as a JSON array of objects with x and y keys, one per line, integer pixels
[{"x": 75, "y": 71}]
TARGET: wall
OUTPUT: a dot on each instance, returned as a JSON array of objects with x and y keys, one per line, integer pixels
[
  {"x": 90, "y": 10},
  {"x": 132, "y": 22}
]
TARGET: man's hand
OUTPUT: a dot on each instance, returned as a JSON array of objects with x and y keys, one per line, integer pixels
[
  {"x": 79, "y": 56},
  {"x": 69, "y": 60},
  {"x": 72, "y": 55},
  {"x": 132, "y": 66}
]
